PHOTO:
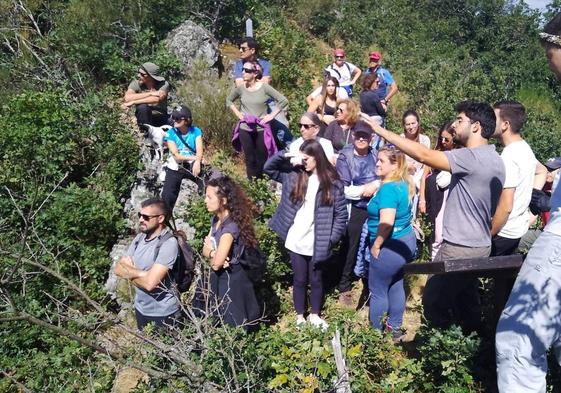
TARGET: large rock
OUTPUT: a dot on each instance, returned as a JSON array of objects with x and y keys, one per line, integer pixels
[{"x": 191, "y": 42}]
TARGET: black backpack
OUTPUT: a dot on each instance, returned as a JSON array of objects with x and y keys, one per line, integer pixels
[
  {"x": 254, "y": 263},
  {"x": 183, "y": 269}
]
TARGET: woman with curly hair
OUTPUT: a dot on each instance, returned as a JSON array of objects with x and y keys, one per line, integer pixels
[
  {"x": 392, "y": 240},
  {"x": 231, "y": 231},
  {"x": 310, "y": 220}
]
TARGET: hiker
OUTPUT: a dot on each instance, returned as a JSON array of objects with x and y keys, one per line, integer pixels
[
  {"x": 339, "y": 132},
  {"x": 370, "y": 103},
  {"x": 530, "y": 325},
  {"x": 326, "y": 103},
  {"x": 340, "y": 93},
  {"x": 229, "y": 292},
  {"x": 356, "y": 168},
  {"x": 148, "y": 268},
  {"x": 388, "y": 87},
  {"x": 185, "y": 144},
  {"x": 249, "y": 52},
  {"x": 253, "y": 133},
  {"x": 477, "y": 180},
  {"x": 434, "y": 191},
  {"x": 310, "y": 220},
  {"x": 310, "y": 127},
  {"x": 346, "y": 73},
  {"x": 392, "y": 241},
  {"x": 149, "y": 94}
]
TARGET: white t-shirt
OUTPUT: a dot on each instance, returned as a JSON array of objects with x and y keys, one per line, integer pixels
[
  {"x": 425, "y": 141},
  {"x": 300, "y": 236},
  {"x": 343, "y": 74},
  {"x": 339, "y": 92},
  {"x": 294, "y": 148},
  {"x": 520, "y": 168}
]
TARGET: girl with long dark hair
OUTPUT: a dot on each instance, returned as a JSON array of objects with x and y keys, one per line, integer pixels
[{"x": 310, "y": 220}]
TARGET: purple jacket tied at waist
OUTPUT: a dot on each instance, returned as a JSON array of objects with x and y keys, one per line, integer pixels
[{"x": 253, "y": 121}]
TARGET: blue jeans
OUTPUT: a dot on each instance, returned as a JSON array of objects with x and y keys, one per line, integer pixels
[
  {"x": 531, "y": 321},
  {"x": 385, "y": 280}
]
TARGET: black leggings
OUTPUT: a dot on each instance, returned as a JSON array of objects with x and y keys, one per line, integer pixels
[
  {"x": 350, "y": 247},
  {"x": 172, "y": 185},
  {"x": 253, "y": 145},
  {"x": 305, "y": 271}
]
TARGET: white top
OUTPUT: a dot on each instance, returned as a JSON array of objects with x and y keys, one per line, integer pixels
[
  {"x": 294, "y": 148},
  {"x": 300, "y": 237},
  {"x": 417, "y": 176},
  {"x": 343, "y": 74},
  {"x": 339, "y": 92},
  {"x": 520, "y": 169}
]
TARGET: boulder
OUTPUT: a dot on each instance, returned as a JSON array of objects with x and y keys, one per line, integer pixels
[{"x": 191, "y": 43}]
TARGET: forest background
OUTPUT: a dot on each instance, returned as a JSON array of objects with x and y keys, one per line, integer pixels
[{"x": 69, "y": 160}]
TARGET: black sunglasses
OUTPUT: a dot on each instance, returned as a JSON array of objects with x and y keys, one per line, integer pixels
[
  {"x": 306, "y": 126},
  {"x": 147, "y": 217},
  {"x": 142, "y": 73},
  {"x": 249, "y": 70}
]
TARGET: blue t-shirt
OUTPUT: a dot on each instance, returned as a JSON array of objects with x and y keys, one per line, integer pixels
[
  {"x": 238, "y": 66},
  {"x": 386, "y": 79},
  {"x": 392, "y": 195},
  {"x": 190, "y": 137}
]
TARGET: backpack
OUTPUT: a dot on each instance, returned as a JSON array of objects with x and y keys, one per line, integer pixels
[
  {"x": 184, "y": 267},
  {"x": 254, "y": 264}
]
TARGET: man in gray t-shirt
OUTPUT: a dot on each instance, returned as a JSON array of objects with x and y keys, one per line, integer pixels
[
  {"x": 155, "y": 300},
  {"x": 477, "y": 179}
]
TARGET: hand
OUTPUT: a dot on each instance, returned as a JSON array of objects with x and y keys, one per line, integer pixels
[
  {"x": 370, "y": 188},
  {"x": 423, "y": 207},
  {"x": 196, "y": 168},
  {"x": 375, "y": 251},
  {"x": 267, "y": 118},
  {"x": 126, "y": 105}
]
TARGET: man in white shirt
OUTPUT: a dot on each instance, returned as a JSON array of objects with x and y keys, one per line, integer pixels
[{"x": 346, "y": 73}]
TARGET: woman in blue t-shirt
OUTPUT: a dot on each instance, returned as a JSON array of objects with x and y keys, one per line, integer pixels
[
  {"x": 185, "y": 144},
  {"x": 392, "y": 240}
]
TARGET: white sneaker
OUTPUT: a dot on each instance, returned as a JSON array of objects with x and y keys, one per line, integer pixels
[
  {"x": 300, "y": 321},
  {"x": 316, "y": 321}
]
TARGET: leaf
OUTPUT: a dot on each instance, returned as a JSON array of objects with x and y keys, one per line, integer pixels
[{"x": 279, "y": 380}]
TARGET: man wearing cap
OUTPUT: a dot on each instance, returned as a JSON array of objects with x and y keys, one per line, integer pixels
[
  {"x": 149, "y": 94},
  {"x": 185, "y": 144},
  {"x": 530, "y": 323},
  {"x": 387, "y": 88},
  {"x": 346, "y": 73}
]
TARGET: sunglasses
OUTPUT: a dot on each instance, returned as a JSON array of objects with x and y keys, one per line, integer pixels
[
  {"x": 306, "y": 126},
  {"x": 147, "y": 217},
  {"x": 339, "y": 57},
  {"x": 340, "y": 110},
  {"x": 249, "y": 70},
  {"x": 142, "y": 73},
  {"x": 361, "y": 136},
  {"x": 444, "y": 139},
  {"x": 244, "y": 48}
]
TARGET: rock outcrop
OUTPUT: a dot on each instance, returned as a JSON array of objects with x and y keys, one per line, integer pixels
[{"x": 191, "y": 43}]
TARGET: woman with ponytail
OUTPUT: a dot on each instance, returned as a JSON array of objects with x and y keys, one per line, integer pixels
[{"x": 392, "y": 240}]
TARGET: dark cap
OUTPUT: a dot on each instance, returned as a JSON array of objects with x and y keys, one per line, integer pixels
[
  {"x": 553, "y": 163},
  {"x": 181, "y": 112},
  {"x": 362, "y": 127}
]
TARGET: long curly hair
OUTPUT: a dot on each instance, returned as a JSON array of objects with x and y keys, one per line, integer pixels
[
  {"x": 325, "y": 171},
  {"x": 240, "y": 207}
]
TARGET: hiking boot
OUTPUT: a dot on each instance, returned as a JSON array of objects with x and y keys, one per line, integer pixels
[
  {"x": 398, "y": 336},
  {"x": 346, "y": 299},
  {"x": 317, "y": 322}
]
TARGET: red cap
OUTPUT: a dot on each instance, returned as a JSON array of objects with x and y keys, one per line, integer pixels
[
  {"x": 375, "y": 55},
  {"x": 339, "y": 52}
]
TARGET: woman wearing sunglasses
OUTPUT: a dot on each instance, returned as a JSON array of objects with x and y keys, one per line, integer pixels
[
  {"x": 310, "y": 126},
  {"x": 339, "y": 132},
  {"x": 253, "y": 133}
]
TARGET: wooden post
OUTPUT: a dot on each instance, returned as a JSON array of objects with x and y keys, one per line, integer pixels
[{"x": 342, "y": 385}]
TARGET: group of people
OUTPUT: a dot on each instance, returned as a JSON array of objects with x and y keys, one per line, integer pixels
[{"x": 347, "y": 176}]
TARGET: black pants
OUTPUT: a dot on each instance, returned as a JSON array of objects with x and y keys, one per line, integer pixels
[
  {"x": 350, "y": 247},
  {"x": 159, "y": 322},
  {"x": 253, "y": 145},
  {"x": 145, "y": 115},
  {"x": 172, "y": 184},
  {"x": 503, "y": 284}
]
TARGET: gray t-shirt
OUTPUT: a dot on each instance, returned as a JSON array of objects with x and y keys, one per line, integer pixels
[
  {"x": 478, "y": 175},
  {"x": 162, "y": 301}
]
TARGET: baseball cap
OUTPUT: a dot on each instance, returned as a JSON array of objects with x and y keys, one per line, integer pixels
[
  {"x": 362, "y": 127},
  {"x": 181, "y": 112},
  {"x": 553, "y": 163},
  {"x": 375, "y": 55},
  {"x": 339, "y": 52}
]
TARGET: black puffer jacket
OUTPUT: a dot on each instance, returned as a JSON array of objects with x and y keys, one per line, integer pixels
[{"x": 330, "y": 221}]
